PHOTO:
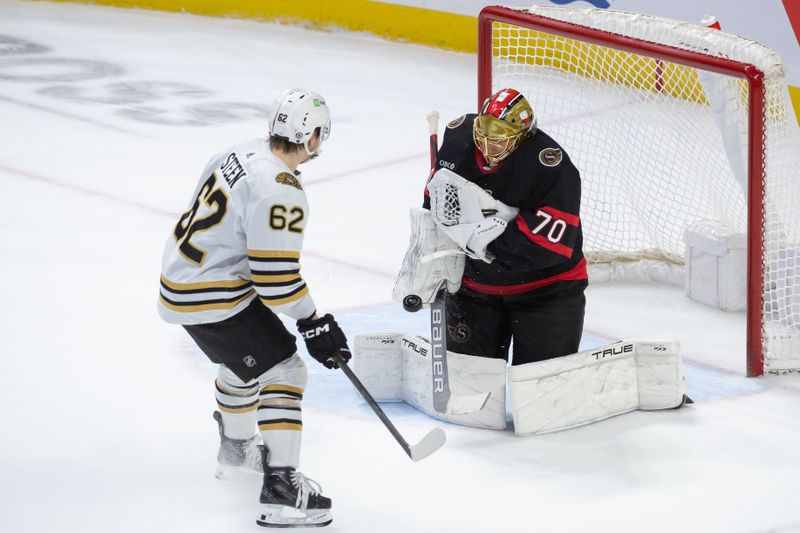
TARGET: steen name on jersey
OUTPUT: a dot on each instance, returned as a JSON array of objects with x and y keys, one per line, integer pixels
[{"x": 232, "y": 170}]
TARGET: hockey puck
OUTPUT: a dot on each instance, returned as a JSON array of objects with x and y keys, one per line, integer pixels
[{"x": 412, "y": 303}]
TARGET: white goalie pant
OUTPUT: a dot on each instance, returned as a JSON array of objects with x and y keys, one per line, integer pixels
[
  {"x": 589, "y": 386},
  {"x": 397, "y": 367}
]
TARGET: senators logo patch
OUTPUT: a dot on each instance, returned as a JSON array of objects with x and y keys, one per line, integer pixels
[
  {"x": 457, "y": 122},
  {"x": 460, "y": 332},
  {"x": 551, "y": 157},
  {"x": 288, "y": 179}
]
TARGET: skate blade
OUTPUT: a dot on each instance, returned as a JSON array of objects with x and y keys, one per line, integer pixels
[
  {"x": 284, "y": 516},
  {"x": 235, "y": 473}
]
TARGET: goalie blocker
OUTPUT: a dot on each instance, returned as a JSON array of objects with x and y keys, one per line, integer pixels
[{"x": 546, "y": 396}]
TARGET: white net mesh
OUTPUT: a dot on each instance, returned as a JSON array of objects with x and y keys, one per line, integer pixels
[{"x": 661, "y": 145}]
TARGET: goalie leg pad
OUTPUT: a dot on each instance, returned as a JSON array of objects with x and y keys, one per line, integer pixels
[
  {"x": 659, "y": 372},
  {"x": 578, "y": 389},
  {"x": 398, "y": 368},
  {"x": 378, "y": 362}
]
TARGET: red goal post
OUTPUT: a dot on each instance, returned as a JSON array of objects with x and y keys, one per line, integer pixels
[{"x": 575, "y": 46}]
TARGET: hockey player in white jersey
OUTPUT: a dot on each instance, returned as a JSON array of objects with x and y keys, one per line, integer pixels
[{"x": 229, "y": 267}]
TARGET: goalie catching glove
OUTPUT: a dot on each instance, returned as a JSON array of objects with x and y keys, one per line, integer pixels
[
  {"x": 467, "y": 214},
  {"x": 324, "y": 339}
]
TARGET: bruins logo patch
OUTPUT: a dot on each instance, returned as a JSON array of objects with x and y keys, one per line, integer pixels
[
  {"x": 551, "y": 157},
  {"x": 288, "y": 179},
  {"x": 457, "y": 122}
]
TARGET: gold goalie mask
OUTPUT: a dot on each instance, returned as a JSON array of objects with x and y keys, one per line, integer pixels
[{"x": 504, "y": 121}]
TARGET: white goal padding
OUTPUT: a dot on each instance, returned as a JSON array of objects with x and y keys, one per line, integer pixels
[
  {"x": 546, "y": 396},
  {"x": 397, "y": 367},
  {"x": 578, "y": 389}
]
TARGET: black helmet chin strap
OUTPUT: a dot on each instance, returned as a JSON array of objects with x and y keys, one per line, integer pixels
[{"x": 315, "y": 153}]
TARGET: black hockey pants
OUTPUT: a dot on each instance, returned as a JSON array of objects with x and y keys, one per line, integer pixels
[{"x": 543, "y": 324}]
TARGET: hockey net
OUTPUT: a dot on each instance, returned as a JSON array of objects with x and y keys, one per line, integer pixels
[{"x": 669, "y": 124}]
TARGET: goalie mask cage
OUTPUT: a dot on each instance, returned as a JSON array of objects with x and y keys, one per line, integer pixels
[{"x": 669, "y": 123}]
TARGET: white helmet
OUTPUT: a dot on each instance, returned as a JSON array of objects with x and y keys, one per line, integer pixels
[{"x": 296, "y": 114}]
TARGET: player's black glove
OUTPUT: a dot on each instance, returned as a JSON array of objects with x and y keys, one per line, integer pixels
[{"x": 324, "y": 339}]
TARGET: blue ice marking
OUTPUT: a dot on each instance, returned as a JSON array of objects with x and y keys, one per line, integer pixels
[{"x": 705, "y": 383}]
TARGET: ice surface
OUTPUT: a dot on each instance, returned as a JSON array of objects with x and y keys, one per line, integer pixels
[{"x": 106, "y": 118}]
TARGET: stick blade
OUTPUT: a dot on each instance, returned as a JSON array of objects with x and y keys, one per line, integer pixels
[
  {"x": 465, "y": 404},
  {"x": 429, "y": 444}
]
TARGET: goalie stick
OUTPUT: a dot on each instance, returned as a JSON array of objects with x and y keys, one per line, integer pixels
[
  {"x": 443, "y": 401},
  {"x": 429, "y": 443}
]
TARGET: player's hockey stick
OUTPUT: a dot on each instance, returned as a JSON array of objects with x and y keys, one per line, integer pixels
[
  {"x": 429, "y": 443},
  {"x": 443, "y": 401}
]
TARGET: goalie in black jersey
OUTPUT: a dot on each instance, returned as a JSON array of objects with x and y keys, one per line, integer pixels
[
  {"x": 525, "y": 274},
  {"x": 500, "y": 230}
]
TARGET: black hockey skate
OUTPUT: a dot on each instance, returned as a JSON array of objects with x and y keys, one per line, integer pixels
[
  {"x": 237, "y": 456},
  {"x": 289, "y": 499}
]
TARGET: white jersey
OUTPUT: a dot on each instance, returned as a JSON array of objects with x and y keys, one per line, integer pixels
[{"x": 239, "y": 239}]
